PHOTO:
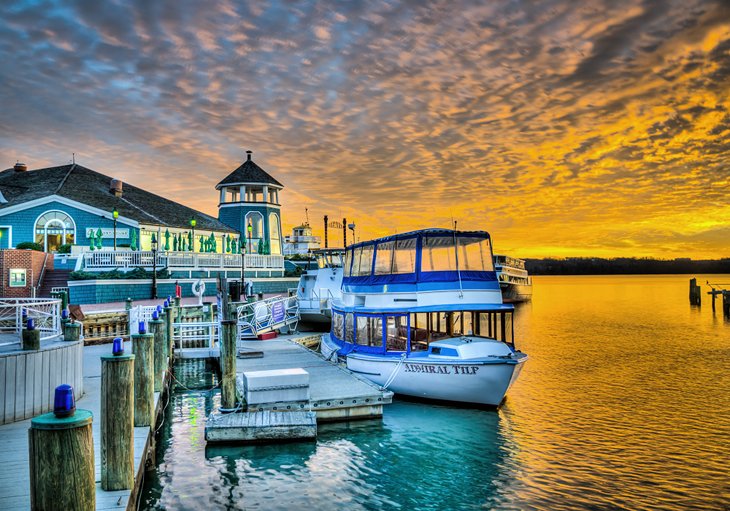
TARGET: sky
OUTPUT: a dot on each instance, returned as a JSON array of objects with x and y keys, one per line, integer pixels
[{"x": 593, "y": 128}]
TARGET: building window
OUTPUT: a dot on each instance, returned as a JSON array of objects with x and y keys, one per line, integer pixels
[
  {"x": 274, "y": 234},
  {"x": 53, "y": 229},
  {"x": 17, "y": 277},
  {"x": 256, "y": 221}
]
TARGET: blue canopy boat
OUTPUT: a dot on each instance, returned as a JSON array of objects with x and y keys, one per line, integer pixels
[{"x": 421, "y": 314}]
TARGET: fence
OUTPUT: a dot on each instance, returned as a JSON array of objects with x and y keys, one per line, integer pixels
[
  {"x": 111, "y": 259},
  {"x": 46, "y": 314}
]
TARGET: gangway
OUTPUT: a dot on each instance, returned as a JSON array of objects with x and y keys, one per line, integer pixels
[{"x": 266, "y": 315}]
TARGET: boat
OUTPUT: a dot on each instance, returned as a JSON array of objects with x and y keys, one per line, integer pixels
[
  {"x": 318, "y": 287},
  {"x": 514, "y": 281},
  {"x": 421, "y": 314}
]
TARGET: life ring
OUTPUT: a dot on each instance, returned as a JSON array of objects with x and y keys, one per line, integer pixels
[{"x": 198, "y": 289}]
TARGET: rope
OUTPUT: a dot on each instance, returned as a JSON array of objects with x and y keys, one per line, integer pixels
[{"x": 395, "y": 371}]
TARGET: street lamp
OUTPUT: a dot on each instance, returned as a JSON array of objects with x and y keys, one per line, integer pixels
[
  {"x": 193, "y": 223},
  {"x": 242, "y": 250},
  {"x": 115, "y": 215},
  {"x": 250, "y": 232},
  {"x": 154, "y": 266}
]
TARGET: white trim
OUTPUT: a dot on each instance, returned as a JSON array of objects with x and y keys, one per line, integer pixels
[
  {"x": 45, "y": 227},
  {"x": 247, "y": 183},
  {"x": 239, "y": 204},
  {"x": 67, "y": 202},
  {"x": 10, "y": 234}
]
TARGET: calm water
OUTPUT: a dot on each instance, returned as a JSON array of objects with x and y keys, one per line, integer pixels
[{"x": 624, "y": 404}]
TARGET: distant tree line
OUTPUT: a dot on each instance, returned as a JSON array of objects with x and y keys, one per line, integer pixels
[{"x": 624, "y": 266}]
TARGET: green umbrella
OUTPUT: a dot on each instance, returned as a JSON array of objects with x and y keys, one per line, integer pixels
[
  {"x": 98, "y": 237},
  {"x": 190, "y": 241},
  {"x": 227, "y": 243},
  {"x": 133, "y": 243},
  {"x": 174, "y": 242},
  {"x": 92, "y": 241},
  {"x": 261, "y": 246},
  {"x": 183, "y": 244},
  {"x": 202, "y": 243},
  {"x": 167, "y": 240},
  {"x": 211, "y": 241}
]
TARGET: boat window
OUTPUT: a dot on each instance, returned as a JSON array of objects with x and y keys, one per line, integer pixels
[
  {"x": 338, "y": 325},
  {"x": 369, "y": 331},
  {"x": 404, "y": 256},
  {"x": 384, "y": 258},
  {"x": 349, "y": 328},
  {"x": 496, "y": 325},
  {"x": 364, "y": 267},
  {"x": 420, "y": 331},
  {"x": 396, "y": 333},
  {"x": 348, "y": 263},
  {"x": 356, "y": 261},
  {"x": 438, "y": 254},
  {"x": 475, "y": 254}
]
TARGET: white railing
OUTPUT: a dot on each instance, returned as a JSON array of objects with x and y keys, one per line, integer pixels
[
  {"x": 191, "y": 336},
  {"x": 140, "y": 313},
  {"x": 110, "y": 259},
  {"x": 46, "y": 314},
  {"x": 266, "y": 315}
]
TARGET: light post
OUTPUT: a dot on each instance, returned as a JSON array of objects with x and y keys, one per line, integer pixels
[
  {"x": 193, "y": 223},
  {"x": 352, "y": 228},
  {"x": 242, "y": 249},
  {"x": 250, "y": 232},
  {"x": 115, "y": 215},
  {"x": 154, "y": 266}
]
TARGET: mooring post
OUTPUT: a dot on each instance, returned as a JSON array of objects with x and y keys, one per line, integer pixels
[
  {"x": 726, "y": 303},
  {"x": 157, "y": 329},
  {"x": 169, "y": 328},
  {"x": 143, "y": 350},
  {"x": 695, "y": 292},
  {"x": 117, "y": 421},
  {"x": 72, "y": 331},
  {"x": 31, "y": 336},
  {"x": 228, "y": 364},
  {"x": 61, "y": 455}
]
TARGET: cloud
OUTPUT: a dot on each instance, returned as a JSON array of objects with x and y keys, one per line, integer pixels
[{"x": 560, "y": 128}]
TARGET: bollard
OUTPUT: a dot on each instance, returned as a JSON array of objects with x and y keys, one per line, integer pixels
[
  {"x": 177, "y": 301},
  {"x": 128, "y": 304},
  {"x": 157, "y": 329},
  {"x": 228, "y": 365},
  {"x": 169, "y": 328},
  {"x": 61, "y": 455},
  {"x": 117, "y": 422},
  {"x": 72, "y": 331},
  {"x": 144, "y": 402},
  {"x": 726, "y": 303},
  {"x": 31, "y": 339}
]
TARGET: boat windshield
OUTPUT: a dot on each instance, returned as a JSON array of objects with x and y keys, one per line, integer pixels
[
  {"x": 329, "y": 260},
  {"x": 449, "y": 253}
]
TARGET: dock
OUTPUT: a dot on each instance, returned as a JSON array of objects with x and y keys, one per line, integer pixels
[{"x": 15, "y": 476}]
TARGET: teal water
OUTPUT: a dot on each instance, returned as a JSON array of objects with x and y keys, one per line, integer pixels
[{"x": 624, "y": 404}]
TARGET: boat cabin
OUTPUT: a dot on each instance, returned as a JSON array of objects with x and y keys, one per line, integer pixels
[{"x": 329, "y": 257}]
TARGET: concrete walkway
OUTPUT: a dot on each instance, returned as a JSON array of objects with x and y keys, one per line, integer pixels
[{"x": 15, "y": 473}]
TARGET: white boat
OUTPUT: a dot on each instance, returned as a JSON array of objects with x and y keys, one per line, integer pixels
[
  {"x": 421, "y": 314},
  {"x": 515, "y": 282},
  {"x": 318, "y": 287}
]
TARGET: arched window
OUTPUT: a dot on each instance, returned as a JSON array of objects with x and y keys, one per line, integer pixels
[
  {"x": 274, "y": 234},
  {"x": 255, "y": 220},
  {"x": 53, "y": 229}
]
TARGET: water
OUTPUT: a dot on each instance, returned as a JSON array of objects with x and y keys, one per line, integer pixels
[{"x": 624, "y": 404}]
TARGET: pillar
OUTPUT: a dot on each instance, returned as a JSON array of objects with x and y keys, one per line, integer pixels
[
  {"x": 228, "y": 364},
  {"x": 72, "y": 331},
  {"x": 144, "y": 402},
  {"x": 117, "y": 422},
  {"x": 157, "y": 329}
]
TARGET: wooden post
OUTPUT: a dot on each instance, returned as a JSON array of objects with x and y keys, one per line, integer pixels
[
  {"x": 157, "y": 329},
  {"x": 726, "y": 303},
  {"x": 695, "y": 292},
  {"x": 117, "y": 422},
  {"x": 72, "y": 331},
  {"x": 61, "y": 455},
  {"x": 31, "y": 339},
  {"x": 168, "y": 324},
  {"x": 144, "y": 402},
  {"x": 228, "y": 364}
]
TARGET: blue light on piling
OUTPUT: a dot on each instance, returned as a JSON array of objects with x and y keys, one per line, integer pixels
[
  {"x": 155, "y": 315},
  {"x": 167, "y": 304},
  {"x": 142, "y": 329},
  {"x": 118, "y": 346},
  {"x": 63, "y": 401},
  {"x": 31, "y": 325},
  {"x": 159, "y": 309}
]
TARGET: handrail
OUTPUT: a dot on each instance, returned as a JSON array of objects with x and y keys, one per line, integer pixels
[
  {"x": 257, "y": 317},
  {"x": 46, "y": 312},
  {"x": 37, "y": 288},
  {"x": 121, "y": 259}
]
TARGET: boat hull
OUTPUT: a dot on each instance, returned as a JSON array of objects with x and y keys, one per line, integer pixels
[
  {"x": 512, "y": 293},
  {"x": 477, "y": 382}
]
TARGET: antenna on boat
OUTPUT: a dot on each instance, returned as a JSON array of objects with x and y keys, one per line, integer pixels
[
  {"x": 306, "y": 215},
  {"x": 458, "y": 270}
]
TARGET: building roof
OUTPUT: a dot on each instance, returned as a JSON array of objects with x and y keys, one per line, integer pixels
[
  {"x": 89, "y": 187},
  {"x": 249, "y": 172}
]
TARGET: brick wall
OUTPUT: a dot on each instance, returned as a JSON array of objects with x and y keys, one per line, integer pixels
[{"x": 31, "y": 261}]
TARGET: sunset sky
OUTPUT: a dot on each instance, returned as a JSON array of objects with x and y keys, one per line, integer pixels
[{"x": 563, "y": 128}]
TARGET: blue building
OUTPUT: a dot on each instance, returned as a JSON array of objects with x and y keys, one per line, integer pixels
[{"x": 249, "y": 203}]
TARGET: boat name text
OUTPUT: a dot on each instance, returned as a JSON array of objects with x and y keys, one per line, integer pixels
[{"x": 440, "y": 369}]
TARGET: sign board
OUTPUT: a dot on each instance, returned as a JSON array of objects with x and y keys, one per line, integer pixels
[
  {"x": 277, "y": 312},
  {"x": 107, "y": 232}
]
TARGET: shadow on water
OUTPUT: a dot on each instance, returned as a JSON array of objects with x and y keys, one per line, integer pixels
[{"x": 420, "y": 455}]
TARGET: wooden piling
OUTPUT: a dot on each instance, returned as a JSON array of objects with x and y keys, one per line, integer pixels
[
  {"x": 61, "y": 455},
  {"x": 117, "y": 422},
  {"x": 228, "y": 364},
  {"x": 157, "y": 329},
  {"x": 695, "y": 293},
  {"x": 726, "y": 303},
  {"x": 72, "y": 331},
  {"x": 169, "y": 319},
  {"x": 31, "y": 339},
  {"x": 143, "y": 350}
]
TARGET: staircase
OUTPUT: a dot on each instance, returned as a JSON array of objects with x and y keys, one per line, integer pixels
[{"x": 53, "y": 278}]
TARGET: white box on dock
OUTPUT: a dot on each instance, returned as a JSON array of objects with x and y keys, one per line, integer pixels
[{"x": 275, "y": 386}]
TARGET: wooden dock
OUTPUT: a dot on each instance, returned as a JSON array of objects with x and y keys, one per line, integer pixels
[
  {"x": 336, "y": 394},
  {"x": 15, "y": 476}
]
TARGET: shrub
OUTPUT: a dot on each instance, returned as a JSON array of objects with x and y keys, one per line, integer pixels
[
  {"x": 29, "y": 245},
  {"x": 64, "y": 249}
]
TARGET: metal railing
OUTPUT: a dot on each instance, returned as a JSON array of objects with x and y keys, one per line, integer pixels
[
  {"x": 265, "y": 315},
  {"x": 46, "y": 314},
  {"x": 196, "y": 335},
  {"x": 111, "y": 259}
]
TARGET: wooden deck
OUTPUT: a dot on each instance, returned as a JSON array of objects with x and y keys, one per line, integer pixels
[{"x": 15, "y": 475}]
